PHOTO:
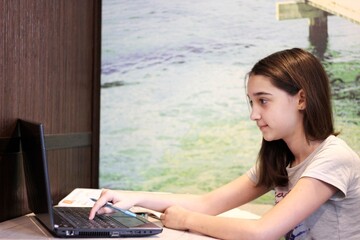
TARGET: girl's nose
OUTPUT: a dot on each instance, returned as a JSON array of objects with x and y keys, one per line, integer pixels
[{"x": 254, "y": 115}]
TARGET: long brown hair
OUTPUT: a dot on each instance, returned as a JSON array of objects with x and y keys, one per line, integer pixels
[{"x": 292, "y": 70}]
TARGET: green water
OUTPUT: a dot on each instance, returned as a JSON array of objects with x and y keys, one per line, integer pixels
[{"x": 215, "y": 152}]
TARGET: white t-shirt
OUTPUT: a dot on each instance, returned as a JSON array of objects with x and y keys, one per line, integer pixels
[{"x": 335, "y": 163}]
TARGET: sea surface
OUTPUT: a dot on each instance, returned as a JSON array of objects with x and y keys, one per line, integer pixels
[{"x": 174, "y": 115}]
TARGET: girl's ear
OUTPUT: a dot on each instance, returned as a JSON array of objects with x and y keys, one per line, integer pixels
[{"x": 301, "y": 100}]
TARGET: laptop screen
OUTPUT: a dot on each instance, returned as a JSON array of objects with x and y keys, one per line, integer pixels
[{"x": 35, "y": 170}]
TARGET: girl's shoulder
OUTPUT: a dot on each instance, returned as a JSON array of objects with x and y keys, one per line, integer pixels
[
  {"x": 334, "y": 147},
  {"x": 336, "y": 164}
]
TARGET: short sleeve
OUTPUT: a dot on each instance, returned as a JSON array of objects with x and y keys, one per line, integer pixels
[
  {"x": 252, "y": 174},
  {"x": 332, "y": 166}
]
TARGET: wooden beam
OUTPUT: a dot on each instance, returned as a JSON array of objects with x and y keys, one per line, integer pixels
[{"x": 296, "y": 10}]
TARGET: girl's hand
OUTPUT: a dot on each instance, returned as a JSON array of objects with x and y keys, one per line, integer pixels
[
  {"x": 123, "y": 200},
  {"x": 175, "y": 217}
]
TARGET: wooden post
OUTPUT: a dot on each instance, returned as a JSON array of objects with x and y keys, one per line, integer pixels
[{"x": 318, "y": 35}]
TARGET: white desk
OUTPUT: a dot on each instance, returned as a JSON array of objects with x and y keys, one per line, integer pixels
[{"x": 27, "y": 227}]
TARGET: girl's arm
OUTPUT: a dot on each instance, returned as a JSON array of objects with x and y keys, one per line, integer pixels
[
  {"x": 233, "y": 194},
  {"x": 307, "y": 196}
]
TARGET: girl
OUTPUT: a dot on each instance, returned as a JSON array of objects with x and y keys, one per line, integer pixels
[{"x": 315, "y": 175}]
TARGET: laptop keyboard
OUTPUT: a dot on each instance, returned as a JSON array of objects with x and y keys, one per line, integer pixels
[{"x": 79, "y": 217}]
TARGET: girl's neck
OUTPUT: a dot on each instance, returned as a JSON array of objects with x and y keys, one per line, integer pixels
[{"x": 302, "y": 149}]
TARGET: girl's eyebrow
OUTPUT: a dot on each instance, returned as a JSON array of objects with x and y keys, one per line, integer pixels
[{"x": 261, "y": 93}]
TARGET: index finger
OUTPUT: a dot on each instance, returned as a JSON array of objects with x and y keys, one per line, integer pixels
[{"x": 97, "y": 206}]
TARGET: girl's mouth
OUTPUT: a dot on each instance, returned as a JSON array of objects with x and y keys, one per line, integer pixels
[{"x": 262, "y": 127}]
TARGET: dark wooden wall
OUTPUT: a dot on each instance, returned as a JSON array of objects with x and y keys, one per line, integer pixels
[{"x": 49, "y": 73}]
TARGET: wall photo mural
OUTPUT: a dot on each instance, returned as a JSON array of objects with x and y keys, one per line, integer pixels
[{"x": 174, "y": 112}]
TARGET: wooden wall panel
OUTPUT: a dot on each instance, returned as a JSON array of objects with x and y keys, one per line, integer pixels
[
  {"x": 49, "y": 73},
  {"x": 47, "y": 49}
]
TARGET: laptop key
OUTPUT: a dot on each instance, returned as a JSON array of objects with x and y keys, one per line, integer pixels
[{"x": 79, "y": 218}]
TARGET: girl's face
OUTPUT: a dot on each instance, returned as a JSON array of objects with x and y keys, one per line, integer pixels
[{"x": 277, "y": 114}]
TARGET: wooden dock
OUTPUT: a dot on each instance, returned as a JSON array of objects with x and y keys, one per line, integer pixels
[{"x": 349, "y": 9}]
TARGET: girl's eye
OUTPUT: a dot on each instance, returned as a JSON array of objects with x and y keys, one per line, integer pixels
[{"x": 263, "y": 101}]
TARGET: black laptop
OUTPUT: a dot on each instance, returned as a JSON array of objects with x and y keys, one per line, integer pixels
[{"x": 69, "y": 221}]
